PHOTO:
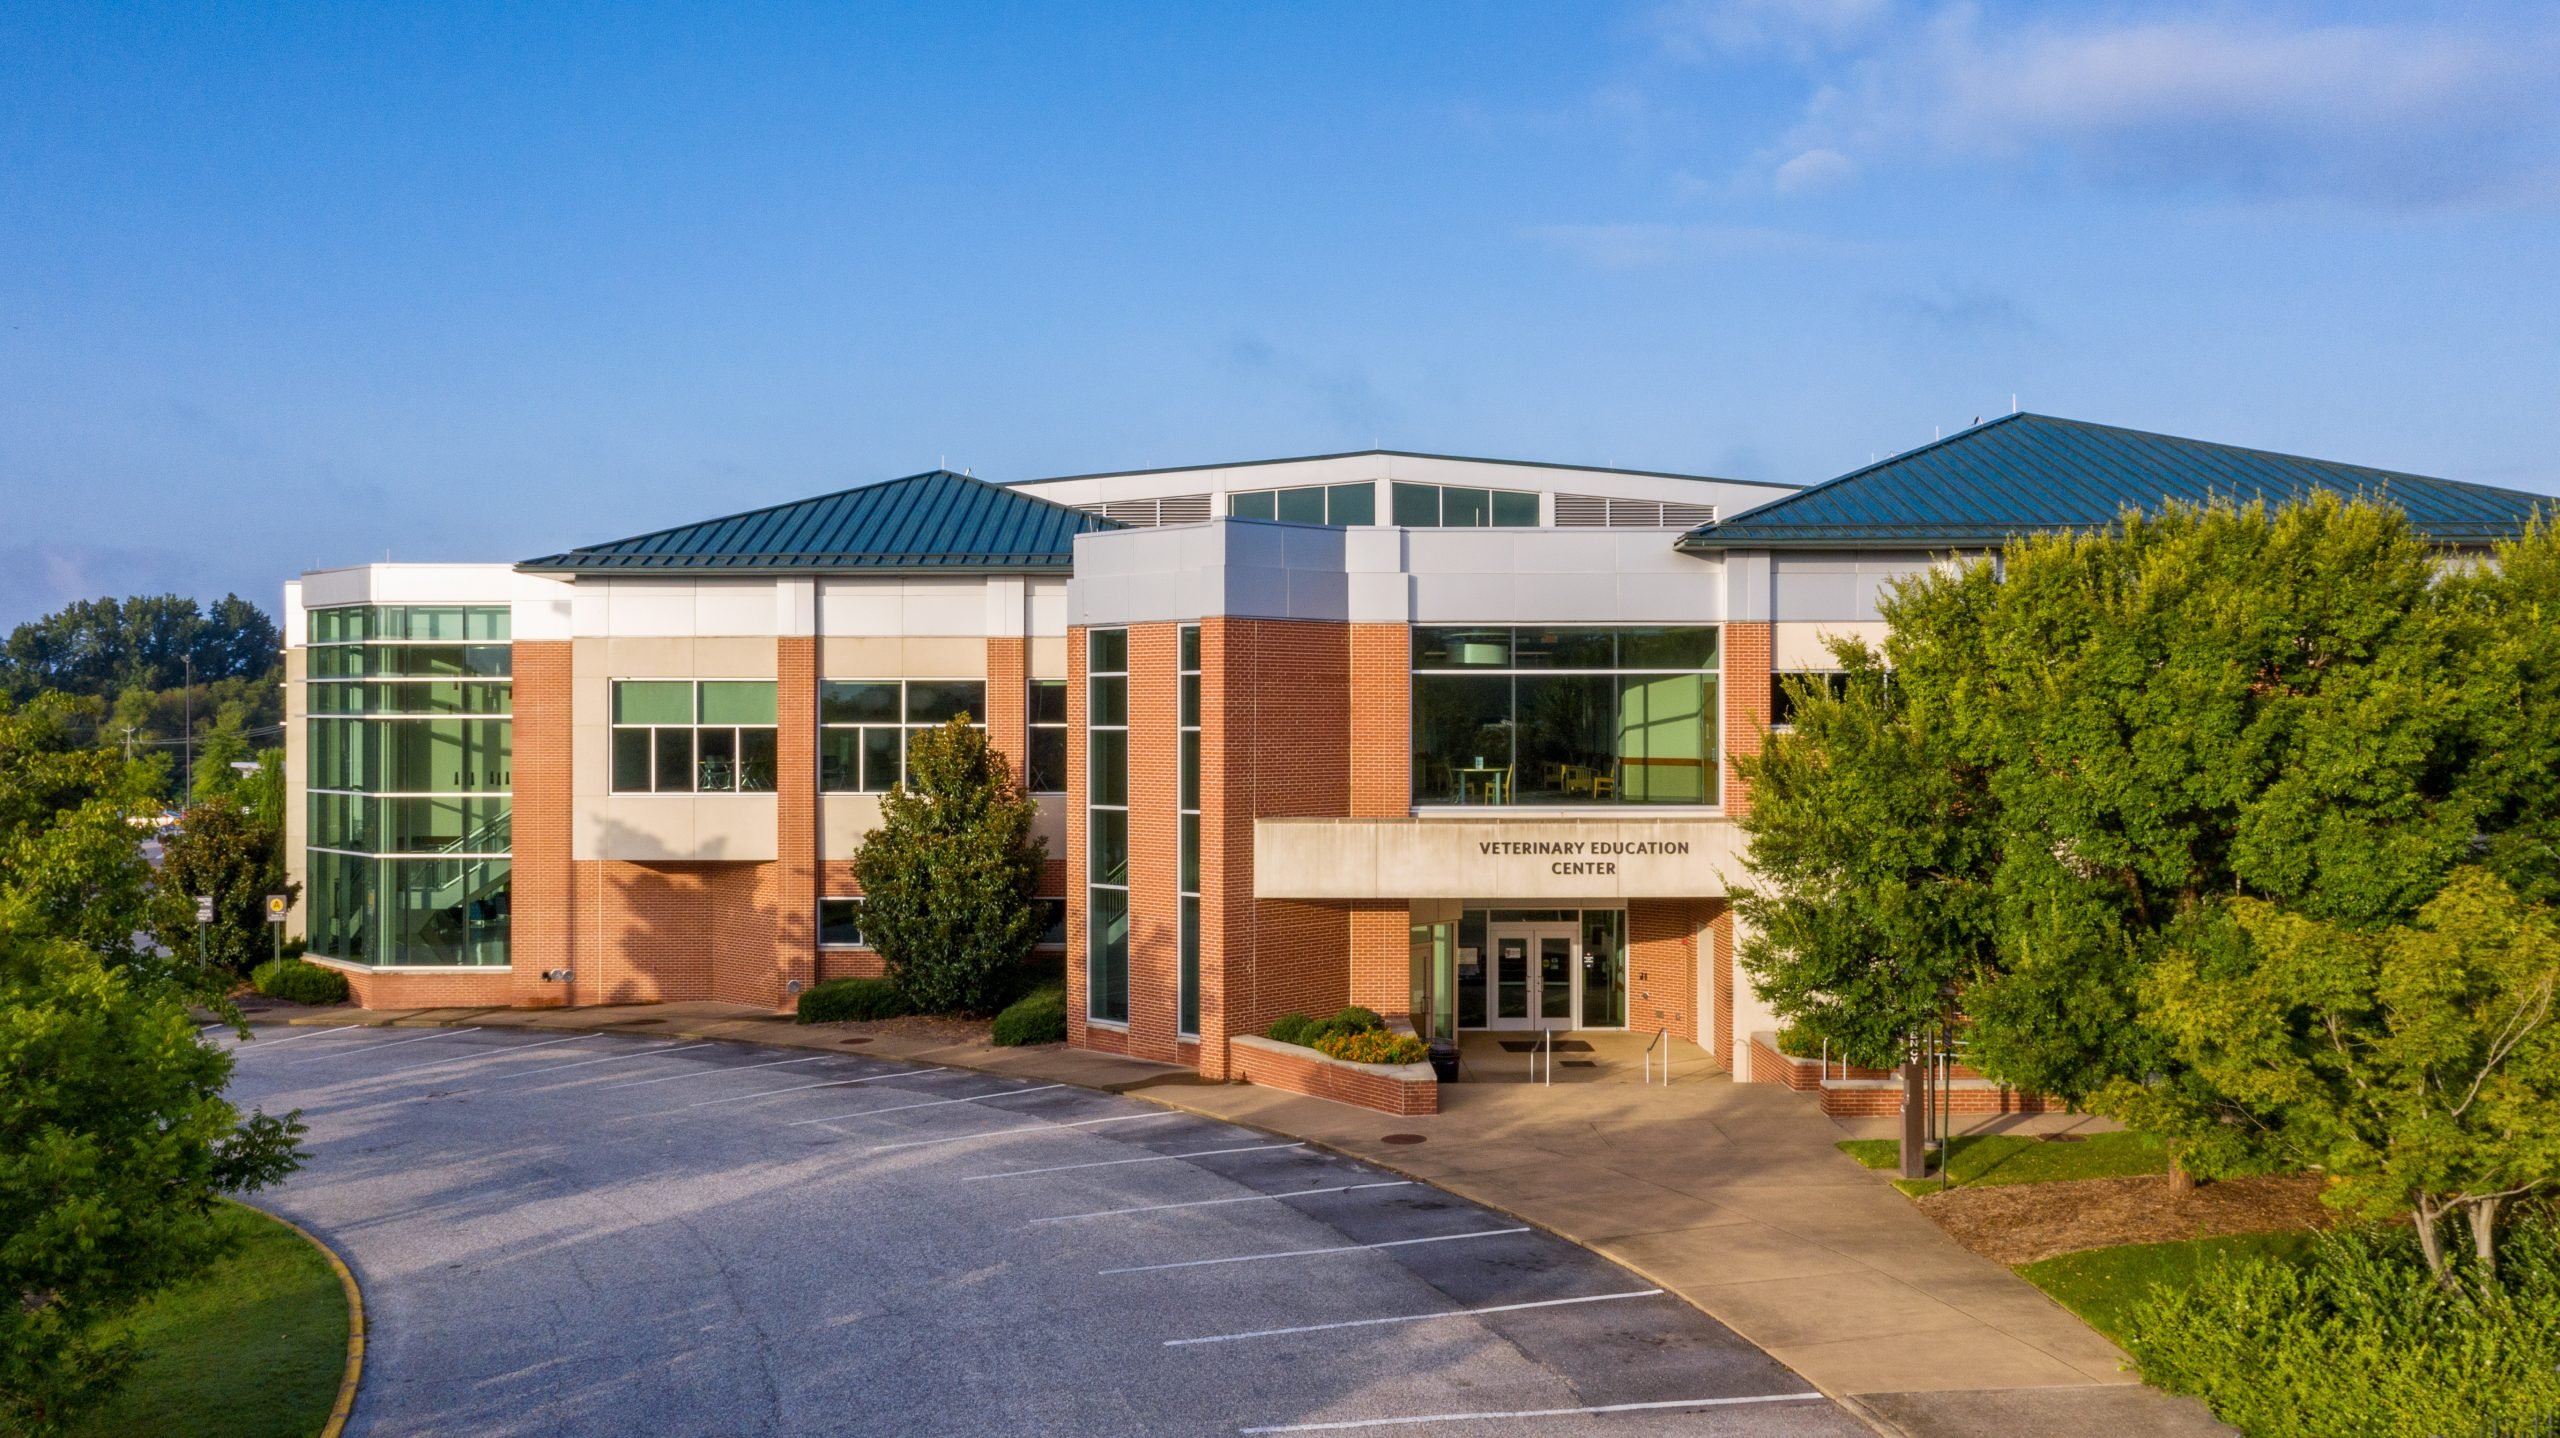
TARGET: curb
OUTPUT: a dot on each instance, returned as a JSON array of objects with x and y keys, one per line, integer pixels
[{"x": 346, "y": 1400}]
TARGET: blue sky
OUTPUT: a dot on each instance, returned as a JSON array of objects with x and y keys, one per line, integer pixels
[{"x": 283, "y": 287}]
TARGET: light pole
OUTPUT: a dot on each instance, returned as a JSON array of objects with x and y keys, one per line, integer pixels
[{"x": 188, "y": 793}]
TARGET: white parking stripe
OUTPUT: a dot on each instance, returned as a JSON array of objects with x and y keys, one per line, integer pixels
[
  {"x": 937, "y": 1103},
  {"x": 701, "y": 1073},
  {"x": 500, "y": 1054},
  {"x": 612, "y": 1058},
  {"x": 1346, "y": 1425},
  {"x": 253, "y": 1040},
  {"x": 395, "y": 1043},
  {"x": 1011, "y": 1132},
  {"x": 1315, "y": 1252},
  {"x": 1411, "y": 1318},
  {"x": 1214, "y": 1202},
  {"x": 805, "y": 1087},
  {"x": 1116, "y": 1162}
]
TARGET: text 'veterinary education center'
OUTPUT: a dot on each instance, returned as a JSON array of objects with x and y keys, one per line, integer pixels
[{"x": 1450, "y": 738}]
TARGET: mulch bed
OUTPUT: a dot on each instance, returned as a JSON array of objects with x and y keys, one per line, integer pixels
[{"x": 2023, "y": 1222}]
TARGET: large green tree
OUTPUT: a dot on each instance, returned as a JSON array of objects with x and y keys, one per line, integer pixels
[
  {"x": 115, "y": 1143},
  {"x": 2310, "y": 707},
  {"x": 2418, "y": 1064},
  {"x": 224, "y": 851},
  {"x": 948, "y": 877},
  {"x": 98, "y": 647},
  {"x": 71, "y": 822},
  {"x": 1870, "y": 910}
]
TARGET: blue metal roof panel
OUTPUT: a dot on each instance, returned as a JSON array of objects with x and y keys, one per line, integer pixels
[
  {"x": 2028, "y": 473},
  {"x": 931, "y": 521}
]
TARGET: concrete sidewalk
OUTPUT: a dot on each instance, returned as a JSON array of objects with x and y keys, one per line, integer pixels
[{"x": 1730, "y": 1195}]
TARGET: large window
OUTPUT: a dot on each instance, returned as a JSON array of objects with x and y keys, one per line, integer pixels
[
  {"x": 1047, "y": 712},
  {"x": 1187, "y": 981},
  {"x": 1106, "y": 958},
  {"x": 865, "y": 725},
  {"x": 1309, "y": 504},
  {"x": 409, "y": 761},
  {"x": 1454, "y": 506},
  {"x": 1564, "y": 716},
  {"x": 693, "y": 736}
]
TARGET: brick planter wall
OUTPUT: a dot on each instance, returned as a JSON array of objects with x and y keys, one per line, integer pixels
[
  {"x": 1387, "y": 1088},
  {"x": 1877, "y": 1093},
  {"x": 465, "y": 988}
]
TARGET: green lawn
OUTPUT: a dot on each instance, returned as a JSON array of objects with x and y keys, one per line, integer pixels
[
  {"x": 254, "y": 1348},
  {"x": 2102, "y": 1284},
  {"x": 2006, "y": 1158}
]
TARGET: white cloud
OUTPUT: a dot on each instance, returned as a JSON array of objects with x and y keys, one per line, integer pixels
[
  {"x": 1813, "y": 172},
  {"x": 1648, "y": 246},
  {"x": 2395, "y": 116},
  {"x": 1692, "y": 28}
]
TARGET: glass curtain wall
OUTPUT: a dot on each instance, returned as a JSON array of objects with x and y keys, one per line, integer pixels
[
  {"x": 1188, "y": 998},
  {"x": 1556, "y": 716},
  {"x": 409, "y": 772},
  {"x": 1106, "y": 975}
]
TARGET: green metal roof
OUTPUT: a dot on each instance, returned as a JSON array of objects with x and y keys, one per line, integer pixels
[
  {"x": 2026, "y": 474},
  {"x": 932, "y": 522}
]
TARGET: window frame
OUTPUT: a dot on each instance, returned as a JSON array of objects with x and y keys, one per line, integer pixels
[
  {"x": 905, "y": 727},
  {"x": 1186, "y": 1000},
  {"x": 695, "y": 757},
  {"x": 1399, "y": 491},
  {"x": 1097, "y": 995},
  {"x": 1335, "y": 504},
  {"x": 1033, "y": 727},
  {"x": 1512, "y": 672},
  {"x": 858, "y": 942}
]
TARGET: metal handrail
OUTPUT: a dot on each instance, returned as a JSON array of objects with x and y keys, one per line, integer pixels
[
  {"x": 1662, "y": 1040},
  {"x": 1547, "y": 1047}
]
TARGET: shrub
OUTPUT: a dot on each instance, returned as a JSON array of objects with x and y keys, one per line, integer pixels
[
  {"x": 1356, "y": 1019},
  {"x": 1373, "y": 1046},
  {"x": 841, "y": 1000},
  {"x": 1294, "y": 1029},
  {"x": 297, "y": 982},
  {"x": 1795, "y": 1043},
  {"x": 948, "y": 877},
  {"x": 1038, "y": 1017},
  {"x": 2361, "y": 1339}
]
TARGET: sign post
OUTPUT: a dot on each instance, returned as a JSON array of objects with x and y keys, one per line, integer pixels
[
  {"x": 204, "y": 923},
  {"x": 276, "y": 906}
]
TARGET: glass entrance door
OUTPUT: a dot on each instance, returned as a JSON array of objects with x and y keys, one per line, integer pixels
[{"x": 1531, "y": 982}]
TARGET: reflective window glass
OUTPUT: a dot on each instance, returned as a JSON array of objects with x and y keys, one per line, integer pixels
[
  {"x": 645, "y": 701},
  {"x": 1414, "y": 506},
  {"x": 1257, "y": 504},
  {"x": 1302, "y": 506},
  {"x": 933, "y": 701},
  {"x": 840, "y": 923},
  {"x": 1462, "y": 507},
  {"x": 1351, "y": 504},
  {"x": 731, "y": 701}
]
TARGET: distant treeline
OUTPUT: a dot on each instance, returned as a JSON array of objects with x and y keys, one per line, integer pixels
[{"x": 99, "y": 648}]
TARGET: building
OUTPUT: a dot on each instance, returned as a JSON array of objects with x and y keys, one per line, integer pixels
[{"x": 1449, "y": 738}]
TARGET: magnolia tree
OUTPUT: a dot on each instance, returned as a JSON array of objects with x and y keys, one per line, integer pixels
[{"x": 948, "y": 877}]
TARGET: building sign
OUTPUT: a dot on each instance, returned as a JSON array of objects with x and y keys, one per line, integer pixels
[
  {"x": 1582, "y": 856},
  {"x": 1584, "y": 860}
]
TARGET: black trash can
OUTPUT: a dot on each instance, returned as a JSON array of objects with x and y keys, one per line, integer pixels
[{"x": 1444, "y": 1060}]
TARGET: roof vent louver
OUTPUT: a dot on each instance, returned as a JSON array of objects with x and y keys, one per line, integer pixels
[
  {"x": 1591, "y": 511},
  {"x": 1149, "y": 513}
]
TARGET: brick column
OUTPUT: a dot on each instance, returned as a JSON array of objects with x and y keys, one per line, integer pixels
[
  {"x": 1716, "y": 1025},
  {"x": 1155, "y": 839},
  {"x": 1747, "y": 660},
  {"x": 1008, "y": 702},
  {"x": 541, "y": 913},
  {"x": 794, "y": 876},
  {"x": 1381, "y": 721},
  {"x": 1662, "y": 965}
]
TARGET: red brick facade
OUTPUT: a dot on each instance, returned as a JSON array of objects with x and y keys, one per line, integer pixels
[
  {"x": 1401, "y": 1090},
  {"x": 1748, "y": 656}
]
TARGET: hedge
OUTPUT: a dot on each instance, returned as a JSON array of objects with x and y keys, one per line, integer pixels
[
  {"x": 1038, "y": 1017},
  {"x": 842, "y": 1000},
  {"x": 1306, "y": 1032},
  {"x": 297, "y": 982},
  {"x": 1373, "y": 1046}
]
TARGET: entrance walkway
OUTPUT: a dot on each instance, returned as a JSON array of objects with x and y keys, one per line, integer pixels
[
  {"x": 1576, "y": 1056},
  {"x": 1730, "y": 1195}
]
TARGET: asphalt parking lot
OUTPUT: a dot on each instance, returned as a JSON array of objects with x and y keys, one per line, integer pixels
[{"x": 609, "y": 1234}]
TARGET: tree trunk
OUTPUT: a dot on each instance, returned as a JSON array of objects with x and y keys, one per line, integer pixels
[
  {"x": 2484, "y": 1241},
  {"x": 2181, "y": 1182},
  {"x": 2431, "y": 1237}
]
